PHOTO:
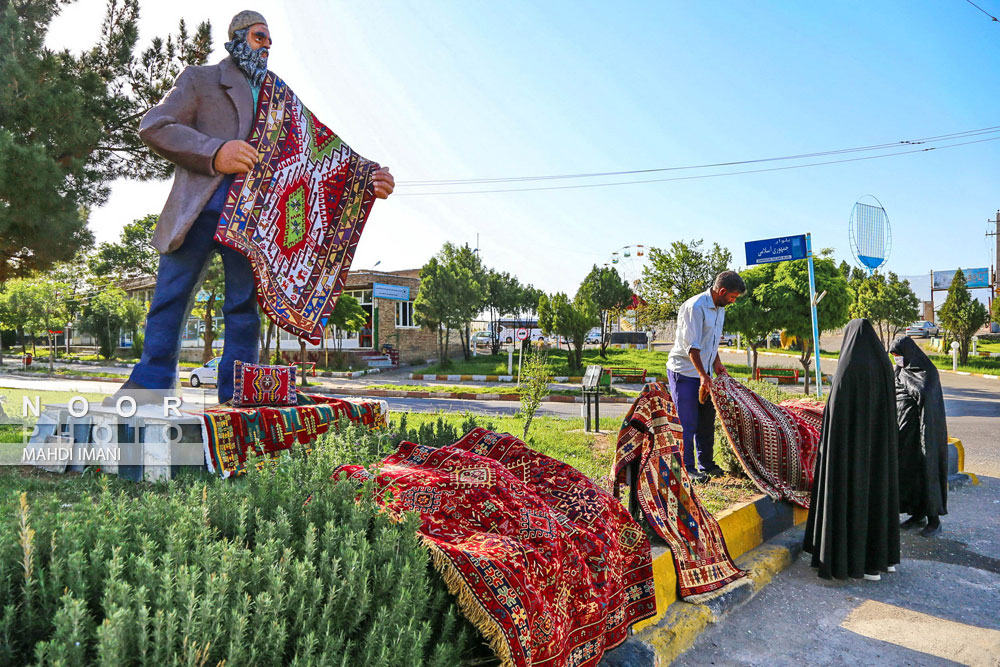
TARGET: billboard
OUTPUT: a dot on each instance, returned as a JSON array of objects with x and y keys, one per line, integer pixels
[{"x": 973, "y": 278}]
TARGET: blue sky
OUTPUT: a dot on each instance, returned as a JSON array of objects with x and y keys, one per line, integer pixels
[{"x": 449, "y": 90}]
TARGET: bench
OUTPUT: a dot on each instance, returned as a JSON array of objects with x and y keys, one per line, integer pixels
[
  {"x": 786, "y": 374},
  {"x": 310, "y": 367},
  {"x": 627, "y": 374}
]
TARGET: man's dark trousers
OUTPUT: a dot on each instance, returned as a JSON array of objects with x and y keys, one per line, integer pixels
[
  {"x": 180, "y": 273},
  {"x": 698, "y": 420}
]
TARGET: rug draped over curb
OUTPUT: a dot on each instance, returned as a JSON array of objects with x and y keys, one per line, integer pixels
[
  {"x": 651, "y": 434},
  {"x": 549, "y": 567},
  {"x": 299, "y": 213},
  {"x": 775, "y": 444},
  {"x": 232, "y": 435}
]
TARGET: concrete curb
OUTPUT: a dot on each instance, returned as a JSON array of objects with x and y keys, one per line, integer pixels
[{"x": 762, "y": 538}]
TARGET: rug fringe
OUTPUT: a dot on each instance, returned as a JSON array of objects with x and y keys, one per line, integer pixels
[
  {"x": 711, "y": 595},
  {"x": 469, "y": 605}
]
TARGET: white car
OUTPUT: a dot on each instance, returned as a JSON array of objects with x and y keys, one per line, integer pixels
[
  {"x": 727, "y": 339},
  {"x": 923, "y": 329},
  {"x": 207, "y": 374}
]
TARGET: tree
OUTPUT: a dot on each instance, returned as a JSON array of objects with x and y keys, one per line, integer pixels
[
  {"x": 751, "y": 315},
  {"x": 996, "y": 308},
  {"x": 962, "y": 315},
  {"x": 104, "y": 317},
  {"x": 887, "y": 302},
  {"x": 450, "y": 296},
  {"x": 604, "y": 288},
  {"x": 132, "y": 257},
  {"x": 347, "y": 315},
  {"x": 68, "y": 124},
  {"x": 570, "y": 319},
  {"x": 788, "y": 297},
  {"x": 20, "y": 313},
  {"x": 675, "y": 275},
  {"x": 206, "y": 304},
  {"x": 435, "y": 305},
  {"x": 534, "y": 386},
  {"x": 504, "y": 295},
  {"x": 471, "y": 295}
]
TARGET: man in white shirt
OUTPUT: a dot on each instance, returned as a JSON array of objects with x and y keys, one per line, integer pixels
[{"x": 692, "y": 362}]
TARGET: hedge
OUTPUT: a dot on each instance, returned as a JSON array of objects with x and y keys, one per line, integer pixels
[{"x": 279, "y": 567}]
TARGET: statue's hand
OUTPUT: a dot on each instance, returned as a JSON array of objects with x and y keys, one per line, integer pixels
[
  {"x": 235, "y": 157},
  {"x": 384, "y": 183}
]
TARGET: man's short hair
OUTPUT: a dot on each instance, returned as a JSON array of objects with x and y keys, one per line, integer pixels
[
  {"x": 731, "y": 282},
  {"x": 244, "y": 19}
]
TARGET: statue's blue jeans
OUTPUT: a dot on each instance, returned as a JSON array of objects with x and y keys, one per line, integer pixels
[{"x": 179, "y": 276}]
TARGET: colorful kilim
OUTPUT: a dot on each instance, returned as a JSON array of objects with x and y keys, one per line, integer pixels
[
  {"x": 299, "y": 213},
  {"x": 254, "y": 384},
  {"x": 548, "y": 566},
  {"x": 776, "y": 445},
  {"x": 233, "y": 435},
  {"x": 651, "y": 434}
]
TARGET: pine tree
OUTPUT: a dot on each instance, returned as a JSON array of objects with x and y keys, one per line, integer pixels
[{"x": 68, "y": 124}]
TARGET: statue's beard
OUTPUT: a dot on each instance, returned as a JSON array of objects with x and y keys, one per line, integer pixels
[{"x": 252, "y": 62}]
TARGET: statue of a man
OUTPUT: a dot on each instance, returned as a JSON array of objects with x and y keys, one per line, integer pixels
[{"x": 201, "y": 125}]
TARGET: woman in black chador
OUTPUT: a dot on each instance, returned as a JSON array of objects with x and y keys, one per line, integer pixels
[
  {"x": 853, "y": 526},
  {"x": 923, "y": 438}
]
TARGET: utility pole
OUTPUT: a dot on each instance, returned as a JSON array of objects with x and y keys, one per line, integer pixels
[{"x": 996, "y": 258}]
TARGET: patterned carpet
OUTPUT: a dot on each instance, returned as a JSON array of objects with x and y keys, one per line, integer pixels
[
  {"x": 549, "y": 567},
  {"x": 651, "y": 437},
  {"x": 299, "y": 213},
  {"x": 233, "y": 435},
  {"x": 775, "y": 444}
]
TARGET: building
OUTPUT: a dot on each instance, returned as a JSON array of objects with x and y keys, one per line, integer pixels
[{"x": 386, "y": 296}]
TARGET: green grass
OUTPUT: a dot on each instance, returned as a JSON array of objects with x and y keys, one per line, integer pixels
[
  {"x": 724, "y": 492},
  {"x": 562, "y": 439},
  {"x": 655, "y": 363},
  {"x": 825, "y": 354},
  {"x": 506, "y": 390},
  {"x": 72, "y": 372}
]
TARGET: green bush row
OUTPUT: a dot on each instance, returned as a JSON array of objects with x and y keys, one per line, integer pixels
[{"x": 279, "y": 567}]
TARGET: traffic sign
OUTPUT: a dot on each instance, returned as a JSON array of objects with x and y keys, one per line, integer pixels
[{"x": 522, "y": 334}]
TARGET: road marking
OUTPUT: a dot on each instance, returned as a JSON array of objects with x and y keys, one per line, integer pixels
[{"x": 961, "y": 643}]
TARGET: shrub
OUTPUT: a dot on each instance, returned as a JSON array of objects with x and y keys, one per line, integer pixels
[
  {"x": 280, "y": 566},
  {"x": 438, "y": 433}
]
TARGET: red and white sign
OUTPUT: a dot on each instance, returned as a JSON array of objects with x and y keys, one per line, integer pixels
[{"x": 522, "y": 334}]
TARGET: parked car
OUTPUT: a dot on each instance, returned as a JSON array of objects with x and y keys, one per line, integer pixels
[
  {"x": 727, "y": 339},
  {"x": 207, "y": 374},
  {"x": 923, "y": 329},
  {"x": 593, "y": 336}
]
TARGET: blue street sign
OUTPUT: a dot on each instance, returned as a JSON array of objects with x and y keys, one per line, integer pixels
[
  {"x": 781, "y": 249},
  {"x": 393, "y": 292}
]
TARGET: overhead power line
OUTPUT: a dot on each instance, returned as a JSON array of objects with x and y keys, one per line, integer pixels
[
  {"x": 801, "y": 156},
  {"x": 695, "y": 176},
  {"x": 982, "y": 10}
]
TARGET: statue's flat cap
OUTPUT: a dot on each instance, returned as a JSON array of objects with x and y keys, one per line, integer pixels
[{"x": 244, "y": 19}]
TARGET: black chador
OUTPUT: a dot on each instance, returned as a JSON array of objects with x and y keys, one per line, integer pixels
[
  {"x": 923, "y": 437},
  {"x": 853, "y": 526}
]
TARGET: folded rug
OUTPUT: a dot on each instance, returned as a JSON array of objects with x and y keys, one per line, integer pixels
[
  {"x": 651, "y": 434},
  {"x": 550, "y": 568},
  {"x": 775, "y": 444},
  {"x": 298, "y": 214},
  {"x": 231, "y": 435}
]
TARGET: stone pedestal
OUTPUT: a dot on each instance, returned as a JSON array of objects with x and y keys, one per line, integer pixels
[{"x": 145, "y": 446}]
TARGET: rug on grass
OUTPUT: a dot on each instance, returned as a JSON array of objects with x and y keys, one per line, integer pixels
[
  {"x": 651, "y": 435},
  {"x": 775, "y": 444},
  {"x": 233, "y": 435},
  {"x": 299, "y": 213},
  {"x": 549, "y": 567}
]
